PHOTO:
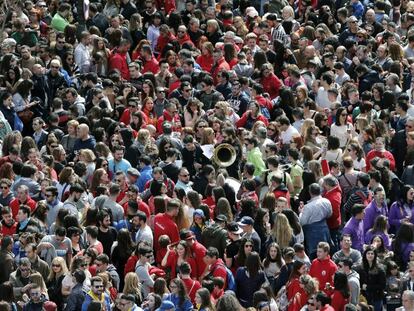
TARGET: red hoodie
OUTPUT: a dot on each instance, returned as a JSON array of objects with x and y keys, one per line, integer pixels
[
  {"x": 334, "y": 196},
  {"x": 151, "y": 66},
  {"x": 163, "y": 41},
  {"x": 119, "y": 61},
  {"x": 15, "y": 204},
  {"x": 205, "y": 62},
  {"x": 185, "y": 39},
  {"x": 324, "y": 271}
]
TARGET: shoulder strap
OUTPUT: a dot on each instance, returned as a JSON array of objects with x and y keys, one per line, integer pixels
[
  {"x": 347, "y": 180},
  {"x": 361, "y": 195},
  {"x": 192, "y": 286}
]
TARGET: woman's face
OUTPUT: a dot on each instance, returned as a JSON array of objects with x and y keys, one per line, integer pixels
[
  {"x": 216, "y": 127},
  {"x": 101, "y": 45},
  {"x": 266, "y": 218},
  {"x": 75, "y": 237},
  {"x": 370, "y": 256},
  {"x": 198, "y": 220},
  {"x": 410, "y": 194},
  {"x": 11, "y": 74},
  {"x": 8, "y": 101},
  {"x": 174, "y": 288},
  {"x": 56, "y": 267},
  {"x": 193, "y": 107},
  {"x": 343, "y": 117},
  {"x": 105, "y": 178},
  {"x": 198, "y": 300},
  {"x": 205, "y": 51},
  {"x": 300, "y": 94},
  {"x": 171, "y": 59},
  {"x": 248, "y": 248},
  {"x": 151, "y": 301},
  {"x": 303, "y": 270},
  {"x": 273, "y": 252},
  {"x": 71, "y": 130},
  {"x": 180, "y": 250},
  {"x": 253, "y": 109},
  {"x": 146, "y": 88},
  {"x": 149, "y": 105}
]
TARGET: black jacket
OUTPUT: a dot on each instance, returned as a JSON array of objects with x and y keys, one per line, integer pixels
[
  {"x": 75, "y": 298},
  {"x": 215, "y": 236}
]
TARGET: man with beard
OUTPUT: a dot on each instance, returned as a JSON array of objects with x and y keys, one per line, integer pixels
[
  {"x": 20, "y": 279},
  {"x": 28, "y": 60},
  {"x": 71, "y": 202},
  {"x": 106, "y": 233},
  {"x": 97, "y": 293},
  {"x": 53, "y": 204},
  {"x": 238, "y": 100}
]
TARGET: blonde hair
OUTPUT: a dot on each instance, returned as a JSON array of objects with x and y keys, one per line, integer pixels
[
  {"x": 207, "y": 137},
  {"x": 282, "y": 231},
  {"x": 213, "y": 22},
  {"x": 132, "y": 284},
  {"x": 63, "y": 271},
  {"x": 306, "y": 124},
  {"x": 143, "y": 136},
  {"x": 88, "y": 155}
]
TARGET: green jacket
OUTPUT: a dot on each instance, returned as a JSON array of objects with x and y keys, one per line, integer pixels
[
  {"x": 59, "y": 23},
  {"x": 255, "y": 157}
]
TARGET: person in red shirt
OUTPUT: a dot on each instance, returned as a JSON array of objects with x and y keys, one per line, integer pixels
[
  {"x": 333, "y": 193},
  {"x": 149, "y": 61},
  {"x": 183, "y": 36},
  {"x": 190, "y": 284},
  {"x": 171, "y": 115},
  {"x": 118, "y": 59},
  {"x": 205, "y": 60},
  {"x": 22, "y": 198},
  {"x": 164, "y": 223},
  {"x": 12, "y": 157},
  {"x": 134, "y": 198},
  {"x": 216, "y": 266},
  {"x": 198, "y": 251},
  {"x": 271, "y": 83},
  {"x": 323, "y": 268},
  {"x": 340, "y": 296},
  {"x": 132, "y": 108},
  {"x": 175, "y": 256},
  {"x": 8, "y": 224},
  {"x": 381, "y": 153},
  {"x": 219, "y": 65}
]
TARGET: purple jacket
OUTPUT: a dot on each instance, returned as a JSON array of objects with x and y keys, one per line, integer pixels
[
  {"x": 397, "y": 213},
  {"x": 372, "y": 211},
  {"x": 406, "y": 248},
  {"x": 369, "y": 235},
  {"x": 355, "y": 228}
]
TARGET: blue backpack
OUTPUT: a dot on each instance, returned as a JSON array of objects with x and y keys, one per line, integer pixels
[{"x": 231, "y": 282}]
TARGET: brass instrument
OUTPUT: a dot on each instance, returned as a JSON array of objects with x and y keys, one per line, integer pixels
[{"x": 224, "y": 155}]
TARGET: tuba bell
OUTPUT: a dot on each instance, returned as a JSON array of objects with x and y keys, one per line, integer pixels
[{"x": 224, "y": 155}]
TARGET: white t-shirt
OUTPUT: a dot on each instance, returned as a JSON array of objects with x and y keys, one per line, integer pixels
[
  {"x": 360, "y": 165},
  {"x": 340, "y": 131},
  {"x": 288, "y": 134}
]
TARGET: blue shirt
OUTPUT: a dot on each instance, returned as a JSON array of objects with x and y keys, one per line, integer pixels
[
  {"x": 122, "y": 165},
  {"x": 146, "y": 175}
]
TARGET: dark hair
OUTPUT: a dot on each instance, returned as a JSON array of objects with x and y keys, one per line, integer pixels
[
  {"x": 253, "y": 264},
  {"x": 365, "y": 263},
  {"x": 341, "y": 283}
]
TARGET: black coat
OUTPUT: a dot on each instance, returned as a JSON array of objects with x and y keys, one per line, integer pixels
[{"x": 375, "y": 280}]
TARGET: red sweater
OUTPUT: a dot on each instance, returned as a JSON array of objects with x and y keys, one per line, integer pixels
[
  {"x": 334, "y": 196},
  {"x": 380, "y": 154},
  {"x": 292, "y": 288},
  {"x": 142, "y": 206},
  {"x": 15, "y": 204},
  {"x": 272, "y": 85},
  {"x": 323, "y": 271},
  {"x": 119, "y": 61},
  {"x": 164, "y": 224},
  {"x": 218, "y": 270},
  {"x": 167, "y": 117},
  {"x": 205, "y": 62}
]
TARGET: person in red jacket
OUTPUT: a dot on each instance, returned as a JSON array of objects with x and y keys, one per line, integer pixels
[
  {"x": 380, "y": 152},
  {"x": 198, "y": 251},
  {"x": 323, "y": 268},
  {"x": 164, "y": 223},
  {"x": 22, "y": 198},
  {"x": 216, "y": 266},
  {"x": 183, "y": 36},
  {"x": 219, "y": 65},
  {"x": 166, "y": 36},
  {"x": 251, "y": 116},
  {"x": 271, "y": 83},
  {"x": 206, "y": 60},
  {"x": 118, "y": 59},
  {"x": 333, "y": 193},
  {"x": 149, "y": 61},
  {"x": 8, "y": 224},
  {"x": 171, "y": 115}
]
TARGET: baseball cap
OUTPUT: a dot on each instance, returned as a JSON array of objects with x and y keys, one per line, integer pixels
[
  {"x": 221, "y": 218},
  {"x": 199, "y": 212},
  {"x": 234, "y": 228},
  {"x": 246, "y": 221}
]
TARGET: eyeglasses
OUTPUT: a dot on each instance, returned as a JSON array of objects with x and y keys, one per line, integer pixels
[
  {"x": 201, "y": 126},
  {"x": 181, "y": 31},
  {"x": 271, "y": 129},
  {"x": 118, "y": 180},
  {"x": 61, "y": 42},
  {"x": 55, "y": 67},
  {"x": 186, "y": 175},
  {"x": 56, "y": 266},
  {"x": 24, "y": 269},
  {"x": 4, "y": 187},
  {"x": 98, "y": 286},
  {"x": 344, "y": 114},
  {"x": 173, "y": 286},
  {"x": 48, "y": 195},
  {"x": 106, "y": 164},
  {"x": 35, "y": 294},
  {"x": 148, "y": 256},
  {"x": 187, "y": 90}
]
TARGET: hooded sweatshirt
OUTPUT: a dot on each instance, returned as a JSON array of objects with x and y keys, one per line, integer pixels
[
  {"x": 354, "y": 286},
  {"x": 324, "y": 271}
]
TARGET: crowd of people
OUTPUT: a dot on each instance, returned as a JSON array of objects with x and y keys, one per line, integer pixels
[{"x": 201, "y": 155}]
